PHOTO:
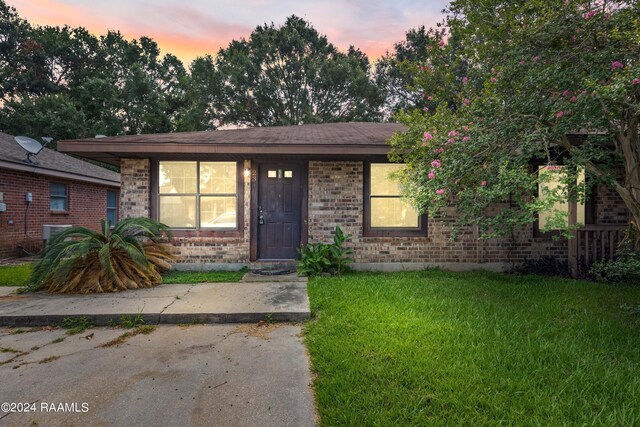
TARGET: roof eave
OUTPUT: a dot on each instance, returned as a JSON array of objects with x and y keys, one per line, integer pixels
[{"x": 23, "y": 167}]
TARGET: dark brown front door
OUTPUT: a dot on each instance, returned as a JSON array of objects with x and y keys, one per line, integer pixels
[{"x": 279, "y": 210}]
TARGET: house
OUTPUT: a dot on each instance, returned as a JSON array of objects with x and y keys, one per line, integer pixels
[
  {"x": 236, "y": 197},
  {"x": 55, "y": 190}
]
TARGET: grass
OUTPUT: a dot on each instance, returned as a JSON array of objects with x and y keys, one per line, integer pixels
[
  {"x": 441, "y": 348},
  {"x": 142, "y": 329},
  {"x": 76, "y": 325},
  {"x": 188, "y": 277},
  {"x": 15, "y": 275}
]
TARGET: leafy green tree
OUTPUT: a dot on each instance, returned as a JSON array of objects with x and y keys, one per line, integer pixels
[
  {"x": 202, "y": 96},
  {"x": 293, "y": 75},
  {"x": 553, "y": 82}
]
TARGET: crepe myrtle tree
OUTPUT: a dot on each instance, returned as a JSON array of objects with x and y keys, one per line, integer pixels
[{"x": 538, "y": 73}]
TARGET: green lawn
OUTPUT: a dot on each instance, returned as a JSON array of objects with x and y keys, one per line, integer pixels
[
  {"x": 440, "y": 348},
  {"x": 14, "y": 275},
  {"x": 174, "y": 276},
  {"x": 17, "y": 275}
]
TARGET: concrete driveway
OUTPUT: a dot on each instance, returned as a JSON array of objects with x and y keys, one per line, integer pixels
[{"x": 214, "y": 375}]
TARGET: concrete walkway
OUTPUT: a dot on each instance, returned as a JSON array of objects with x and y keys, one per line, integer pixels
[
  {"x": 196, "y": 375},
  {"x": 165, "y": 304}
]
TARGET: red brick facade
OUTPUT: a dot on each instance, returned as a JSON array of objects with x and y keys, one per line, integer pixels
[
  {"x": 87, "y": 205},
  {"x": 336, "y": 197}
]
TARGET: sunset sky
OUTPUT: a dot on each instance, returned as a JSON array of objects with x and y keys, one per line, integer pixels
[{"x": 197, "y": 27}]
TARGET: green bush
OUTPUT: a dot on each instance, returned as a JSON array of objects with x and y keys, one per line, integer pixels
[
  {"x": 624, "y": 267},
  {"x": 317, "y": 258}
]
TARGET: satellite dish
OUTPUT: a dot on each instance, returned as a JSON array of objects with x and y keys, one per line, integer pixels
[{"x": 31, "y": 146}]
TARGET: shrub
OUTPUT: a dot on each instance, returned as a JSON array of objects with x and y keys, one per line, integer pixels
[
  {"x": 624, "y": 267},
  {"x": 84, "y": 261},
  {"x": 544, "y": 266},
  {"x": 317, "y": 258}
]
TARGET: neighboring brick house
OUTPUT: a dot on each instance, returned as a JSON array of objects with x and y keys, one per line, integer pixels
[
  {"x": 235, "y": 197},
  {"x": 56, "y": 189}
]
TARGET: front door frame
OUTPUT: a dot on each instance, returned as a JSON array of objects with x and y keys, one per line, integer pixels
[{"x": 253, "y": 214}]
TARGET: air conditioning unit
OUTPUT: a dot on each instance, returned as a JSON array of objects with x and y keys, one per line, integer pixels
[{"x": 49, "y": 230}]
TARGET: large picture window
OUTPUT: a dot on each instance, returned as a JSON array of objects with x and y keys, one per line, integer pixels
[
  {"x": 550, "y": 182},
  {"x": 196, "y": 195},
  {"x": 386, "y": 213}
]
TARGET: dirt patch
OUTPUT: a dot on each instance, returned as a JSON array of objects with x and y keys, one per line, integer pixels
[
  {"x": 260, "y": 330},
  {"x": 49, "y": 359},
  {"x": 145, "y": 330}
]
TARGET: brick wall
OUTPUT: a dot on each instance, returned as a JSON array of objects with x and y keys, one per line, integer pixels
[
  {"x": 134, "y": 193},
  {"x": 336, "y": 198},
  {"x": 87, "y": 206}
]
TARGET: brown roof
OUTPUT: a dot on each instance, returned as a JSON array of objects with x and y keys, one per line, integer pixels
[
  {"x": 317, "y": 139},
  {"x": 53, "y": 163}
]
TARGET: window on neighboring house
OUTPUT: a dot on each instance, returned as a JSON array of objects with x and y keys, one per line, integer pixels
[
  {"x": 112, "y": 207},
  {"x": 386, "y": 213},
  {"x": 550, "y": 182},
  {"x": 59, "y": 196},
  {"x": 195, "y": 195}
]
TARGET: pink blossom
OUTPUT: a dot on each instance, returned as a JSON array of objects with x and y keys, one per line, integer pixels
[
  {"x": 440, "y": 191},
  {"x": 559, "y": 114},
  {"x": 521, "y": 62},
  {"x": 589, "y": 14},
  {"x": 427, "y": 136},
  {"x": 438, "y": 150},
  {"x": 616, "y": 64},
  {"x": 566, "y": 93},
  {"x": 466, "y": 101},
  {"x": 483, "y": 183},
  {"x": 451, "y": 140},
  {"x": 466, "y": 128},
  {"x": 465, "y": 139},
  {"x": 573, "y": 99},
  {"x": 430, "y": 98},
  {"x": 635, "y": 82},
  {"x": 432, "y": 174},
  {"x": 535, "y": 58},
  {"x": 424, "y": 144},
  {"x": 452, "y": 133},
  {"x": 465, "y": 80},
  {"x": 425, "y": 109},
  {"x": 435, "y": 164},
  {"x": 493, "y": 79}
]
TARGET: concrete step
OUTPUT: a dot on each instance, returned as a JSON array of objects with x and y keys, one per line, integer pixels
[
  {"x": 165, "y": 304},
  {"x": 267, "y": 278}
]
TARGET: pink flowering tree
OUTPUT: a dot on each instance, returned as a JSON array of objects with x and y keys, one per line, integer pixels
[{"x": 552, "y": 83}]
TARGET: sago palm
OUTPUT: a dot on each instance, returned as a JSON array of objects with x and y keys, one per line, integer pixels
[{"x": 79, "y": 260}]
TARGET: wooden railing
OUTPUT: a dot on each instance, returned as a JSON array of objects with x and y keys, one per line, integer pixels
[{"x": 593, "y": 243}]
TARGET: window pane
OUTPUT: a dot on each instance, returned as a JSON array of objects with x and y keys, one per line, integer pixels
[
  {"x": 178, "y": 177},
  {"x": 218, "y": 178},
  {"x": 550, "y": 182},
  {"x": 112, "y": 216},
  {"x": 178, "y": 211},
  {"x": 112, "y": 201},
  {"x": 58, "y": 203},
  {"x": 218, "y": 212},
  {"x": 392, "y": 212},
  {"x": 58, "y": 189},
  {"x": 381, "y": 185}
]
